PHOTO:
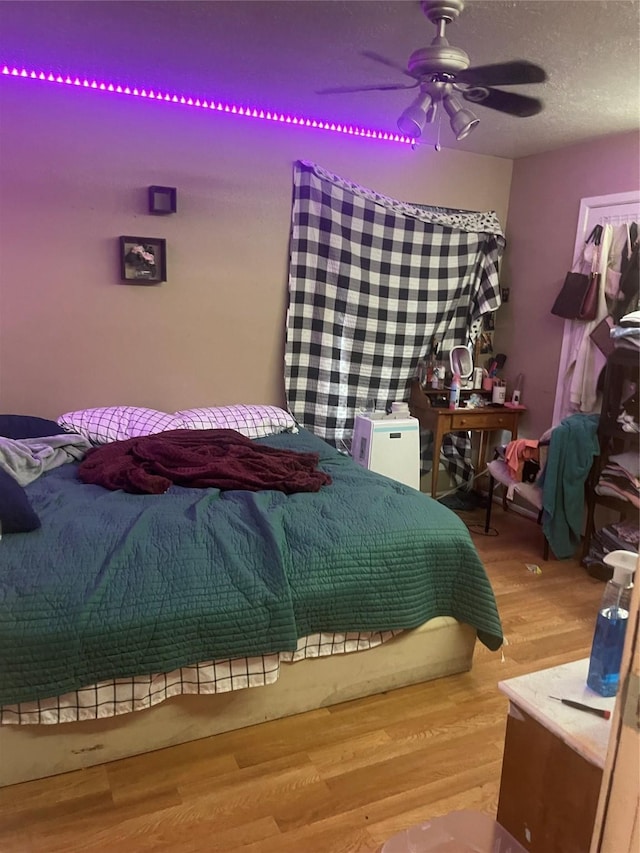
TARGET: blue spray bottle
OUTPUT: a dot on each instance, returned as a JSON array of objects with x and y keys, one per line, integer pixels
[{"x": 611, "y": 625}]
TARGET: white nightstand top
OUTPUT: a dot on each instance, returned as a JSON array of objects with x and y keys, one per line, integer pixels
[{"x": 585, "y": 733}]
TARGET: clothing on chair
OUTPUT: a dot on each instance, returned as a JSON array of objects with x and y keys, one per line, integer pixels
[
  {"x": 516, "y": 454},
  {"x": 574, "y": 444}
]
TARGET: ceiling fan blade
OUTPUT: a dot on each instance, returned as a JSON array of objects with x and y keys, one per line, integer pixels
[
  {"x": 371, "y": 54},
  {"x": 503, "y": 74},
  {"x": 505, "y": 102},
  {"x": 383, "y": 87}
]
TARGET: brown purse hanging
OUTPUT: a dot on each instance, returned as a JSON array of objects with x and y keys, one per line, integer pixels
[{"x": 578, "y": 297}]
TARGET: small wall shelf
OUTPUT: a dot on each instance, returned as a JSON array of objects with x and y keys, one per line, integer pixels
[{"x": 163, "y": 200}]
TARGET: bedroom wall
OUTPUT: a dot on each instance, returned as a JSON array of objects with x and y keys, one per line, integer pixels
[
  {"x": 546, "y": 190},
  {"x": 74, "y": 171}
]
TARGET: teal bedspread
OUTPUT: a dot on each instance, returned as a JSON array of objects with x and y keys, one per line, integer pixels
[{"x": 115, "y": 585}]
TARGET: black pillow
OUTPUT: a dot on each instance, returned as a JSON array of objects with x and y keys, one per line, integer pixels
[
  {"x": 26, "y": 426},
  {"x": 16, "y": 513}
]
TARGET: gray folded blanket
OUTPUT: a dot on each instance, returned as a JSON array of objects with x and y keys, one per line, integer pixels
[{"x": 27, "y": 458}]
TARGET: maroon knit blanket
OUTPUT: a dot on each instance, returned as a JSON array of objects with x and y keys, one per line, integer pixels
[{"x": 217, "y": 458}]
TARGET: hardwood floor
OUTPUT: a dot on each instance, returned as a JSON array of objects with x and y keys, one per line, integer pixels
[{"x": 336, "y": 780}]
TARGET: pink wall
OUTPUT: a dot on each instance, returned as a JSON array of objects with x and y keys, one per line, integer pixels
[
  {"x": 546, "y": 190},
  {"x": 74, "y": 171},
  {"x": 73, "y": 175}
]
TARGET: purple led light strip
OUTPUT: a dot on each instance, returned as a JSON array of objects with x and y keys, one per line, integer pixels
[{"x": 218, "y": 106}]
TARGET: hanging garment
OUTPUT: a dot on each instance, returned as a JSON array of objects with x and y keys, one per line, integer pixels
[
  {"x": 629, "y": 290},
  {"x": 586, "y": 360},
  {"x": 632, "y": 241},
  {"x": 371, "y": 281},
  {"x": 614, "y": 265}
]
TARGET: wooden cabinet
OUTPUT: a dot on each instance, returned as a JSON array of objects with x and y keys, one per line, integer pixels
[
  {"x": 553, "y": 760},
  {"x": 620, "y": 389},
  {"x": 549, "y": 793}
]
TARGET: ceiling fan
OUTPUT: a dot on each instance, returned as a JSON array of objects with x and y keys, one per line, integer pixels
[{"x": 441, "y": 72}]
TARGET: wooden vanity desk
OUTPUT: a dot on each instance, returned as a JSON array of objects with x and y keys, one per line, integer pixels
[{"x": 441, "y": 420}]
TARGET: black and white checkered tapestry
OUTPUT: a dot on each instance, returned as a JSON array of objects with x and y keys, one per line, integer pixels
[{"x": 371, "y": 281}]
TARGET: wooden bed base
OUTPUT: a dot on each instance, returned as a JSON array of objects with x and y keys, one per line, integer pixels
[{"x": 440, "y": 647}]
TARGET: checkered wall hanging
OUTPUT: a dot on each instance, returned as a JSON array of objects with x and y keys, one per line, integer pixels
[{"x": 371, "y": 281}]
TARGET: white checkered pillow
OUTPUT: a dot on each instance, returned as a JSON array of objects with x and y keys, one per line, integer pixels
[
  {"x": 252, "y": 421},
  {"x": 150, "y": 421},
  {"x": 116, "y": 423}
]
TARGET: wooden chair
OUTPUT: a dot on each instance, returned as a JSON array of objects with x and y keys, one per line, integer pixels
[{"x": 530, "y": 492}]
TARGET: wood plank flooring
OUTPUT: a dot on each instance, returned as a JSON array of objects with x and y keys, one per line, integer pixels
[{"x": 335, "y": 780}]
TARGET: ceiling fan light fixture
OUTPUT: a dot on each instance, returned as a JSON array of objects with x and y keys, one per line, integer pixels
[
  {"x": 462, "y": 121},
  {"x": 416, "y": 115}
]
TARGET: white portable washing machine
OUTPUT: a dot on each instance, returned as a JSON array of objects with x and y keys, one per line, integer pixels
[{"x": 388, "y": 445}]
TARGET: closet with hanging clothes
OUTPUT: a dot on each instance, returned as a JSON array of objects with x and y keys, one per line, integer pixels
[{"x": 606, "y": 247}]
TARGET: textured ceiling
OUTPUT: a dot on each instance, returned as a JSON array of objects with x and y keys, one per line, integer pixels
[{"x": 277, "y": 54}]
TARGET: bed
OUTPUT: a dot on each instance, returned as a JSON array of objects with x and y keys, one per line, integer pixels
[{"x": 359, "y": 587}]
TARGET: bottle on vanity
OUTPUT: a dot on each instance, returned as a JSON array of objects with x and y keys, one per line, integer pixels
[
  {"x": 611, "y": 625},
  {"x": 454, "y": 392}
]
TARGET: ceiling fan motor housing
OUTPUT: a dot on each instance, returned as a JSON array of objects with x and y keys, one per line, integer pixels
[{"x": 438, "y": 59}]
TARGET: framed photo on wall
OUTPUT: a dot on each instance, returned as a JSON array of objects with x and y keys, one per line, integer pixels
[{"x": 143, "y": 260}]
